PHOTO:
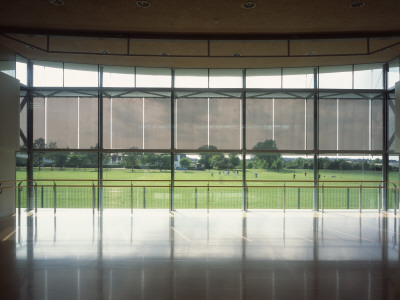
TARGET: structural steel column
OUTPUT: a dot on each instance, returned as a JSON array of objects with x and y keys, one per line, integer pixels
[
  {"x": 172, "y": 202},
  {"x": 385, "y": 156},
  {"x": 100, "y": 143},
  {"x": 316, "y": 141},
  {"x": 29, "y": 167},
  {"x": 245, "y": 193}
]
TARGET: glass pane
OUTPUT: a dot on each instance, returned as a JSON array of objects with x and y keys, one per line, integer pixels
[
  {"x": 77, "y": 75},
  {"x": 328, "y": 124},
  {"x": 226, "y": 78},
  {"x": 23, "y": 120},
  {"x": 394, "y": 168},
  {"x": 350, "y": 167},
  {"x": 336, "y": 77},
  {"x": 47, "y": 73},
  {"x": 22, "y": 70},
  {"x": 123, "y": 123},
  {"x": 208, "y": 166},
  {"x": 153, "y": 77},
  {"x": 353, "y": 129},
  {"x": 21, "y": 164},
  {"x": 140, "y": 123},
  {"x": 191, "y": 123},
  {"x": 391, "y": 125},
  {"x": 118, "y": 76},
  {"x": 68, "y": 167},
  {"x": 152, "y": 170},
  {"x": 289, "y": 123},
  {"x": 88, "y": 127},
  {"x": 377, "y": 125},
  {"x": 310, "y": 124},
  {"x": 368, "y": 76},
  {"x": 265, "y": 168},
  {"x": 65, "y": 122},
  {"x": 259, "y": 122},
  {"x": 263, "y": 78},
  {"x": 191, "y": 78},
  {"x": 157, "y": 123},
  {"x": 298, "y": 78},
  {"x": 394, "y": 72},
  {"x": 225, "y": 123},
  {"x": 39, "y": 122}
]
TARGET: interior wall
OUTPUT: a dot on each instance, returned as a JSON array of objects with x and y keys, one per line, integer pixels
[
  {"x": 9, "y": 140},
  {"x": 7, "y": 172}
]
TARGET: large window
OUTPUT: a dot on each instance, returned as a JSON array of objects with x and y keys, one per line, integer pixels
[
  {"x": 137, "y": 120},
  {"x": 135, "y": 123},
  {"x": 210, "y": 120},
  {"x": 65, "y": 122},
  {"x": 286, "y": 122}
]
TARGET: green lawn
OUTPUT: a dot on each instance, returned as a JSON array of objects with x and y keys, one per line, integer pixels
[{"x": 224, "y": 194}]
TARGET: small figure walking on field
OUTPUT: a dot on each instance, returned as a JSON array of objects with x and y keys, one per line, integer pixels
[{"x": 294, "y": 176}]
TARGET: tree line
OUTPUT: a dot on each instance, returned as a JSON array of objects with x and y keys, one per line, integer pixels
[{"x": 207, "y": 160}]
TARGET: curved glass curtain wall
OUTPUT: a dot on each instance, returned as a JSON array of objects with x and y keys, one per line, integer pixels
[{"x": 110, "y": 112}]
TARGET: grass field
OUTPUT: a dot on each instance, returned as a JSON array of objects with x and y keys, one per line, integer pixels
[{"x": 223, "y": 194}]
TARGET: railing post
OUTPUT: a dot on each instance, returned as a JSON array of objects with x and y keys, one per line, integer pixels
[
  {"x": 195, "y": 197},
  {"x": 42, "y": 198},
  {"x": 35, "y": 197},
  {"x": 208, "y": 197},
  {"x": 298, "y": 198},
  {"x": 284, "y": 198},
  {"x": 55, "y": 197},
  {"x": 379, "y": 199},
  {"x": 131, "y": 197},
  {"x": 170, "y": 196},
  {"x": 94, "y": 197},
  {"x": 348, "y": 198},
  {"x": 322, "y": 198},
  {"x": 19, "y": 198},
  {"x": 144, "y": 197},
  {"x": 245, "y": 198},
  {"x": 360, "y": 199},
  {"x": 394, "y": 201}
]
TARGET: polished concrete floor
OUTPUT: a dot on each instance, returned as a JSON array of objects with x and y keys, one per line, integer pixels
[{"x": 194, "y": 255}]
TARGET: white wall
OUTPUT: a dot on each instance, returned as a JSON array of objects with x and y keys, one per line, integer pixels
[
  {"x": 9, "y": 139},
  {"x": 7, "y": 172}
]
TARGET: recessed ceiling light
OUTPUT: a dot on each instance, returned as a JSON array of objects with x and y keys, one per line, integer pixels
[
  {"x": 216, "y": 20},
  {"x": 143, "y": 4},
  {"x": 357, "y": 4},
  {"x": 57, "y": 2},
  {"x": 104, "y": 52},
  {"x": 164, "y": 53},
  {"x": 236, "y": 54},
  {"x": 30, "y": 47},
  {"x": 310, "y": 53},
  {"x": 249, "y": 5}
]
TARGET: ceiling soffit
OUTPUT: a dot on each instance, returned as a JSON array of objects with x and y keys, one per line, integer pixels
[{"x": 203, "y": 53}]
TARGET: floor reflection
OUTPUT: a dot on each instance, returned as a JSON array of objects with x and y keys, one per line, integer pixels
[{"x": 194, "y": 255}]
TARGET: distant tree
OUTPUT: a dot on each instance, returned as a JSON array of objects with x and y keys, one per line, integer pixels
[
  {"x": 266, "y": 160},
  {"x": 131, "y": 160},
  {"x": 205, "y": 157},
  {"x": 234, "y": 161},
  {"x": 148, "y": 160},
  {"x": 164, "y": 162},
  {"x": 220, "y": 162},
  {"x": 74, "y": 160},
  {"x": 185, "y": 162},
  {"x": 38, "y": 157},
  {"x": 278, "y": 164}
]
